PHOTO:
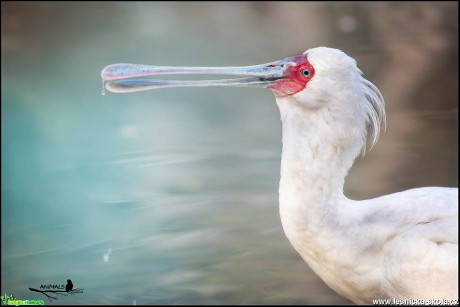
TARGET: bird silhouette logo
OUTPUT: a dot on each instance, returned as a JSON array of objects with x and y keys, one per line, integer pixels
[
  {"x": 57, "y": 289},
  {"x": 69, "y": 285}
]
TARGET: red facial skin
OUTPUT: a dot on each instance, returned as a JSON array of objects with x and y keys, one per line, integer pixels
[{"x": 294, "y": 81}]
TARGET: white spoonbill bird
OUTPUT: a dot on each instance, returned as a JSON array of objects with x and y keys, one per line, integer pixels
[{"x": 403, "y": 245}]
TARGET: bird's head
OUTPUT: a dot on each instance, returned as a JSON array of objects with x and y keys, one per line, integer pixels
[
  {"x": 327, "y": 81},
  {"x": 321, "y": 79}
]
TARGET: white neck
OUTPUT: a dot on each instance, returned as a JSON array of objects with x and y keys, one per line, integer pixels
[{"x": 317, "y": 154}]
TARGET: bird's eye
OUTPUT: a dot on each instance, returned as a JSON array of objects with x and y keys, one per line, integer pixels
[{"x": 305, "y": 72}]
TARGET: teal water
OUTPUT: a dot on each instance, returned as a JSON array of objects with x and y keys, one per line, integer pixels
[{"x": 171, "y": 197}]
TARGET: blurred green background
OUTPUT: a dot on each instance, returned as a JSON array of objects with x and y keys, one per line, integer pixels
[{"x": 171, "y": 196}]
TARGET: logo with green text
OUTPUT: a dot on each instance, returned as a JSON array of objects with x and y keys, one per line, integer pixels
[{"x": 12, "y": 300}]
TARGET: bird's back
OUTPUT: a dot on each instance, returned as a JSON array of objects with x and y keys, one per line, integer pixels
[
  {"x": 403, "y": 246},
  {"x": 421, "y": 255}
]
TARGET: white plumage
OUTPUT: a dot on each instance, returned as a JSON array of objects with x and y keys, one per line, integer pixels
[{"x": 403, "y": 245}]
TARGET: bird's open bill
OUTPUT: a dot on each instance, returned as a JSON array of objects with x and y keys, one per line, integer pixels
[{"x": 129, "y": 78}]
